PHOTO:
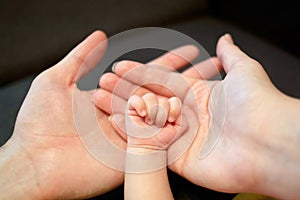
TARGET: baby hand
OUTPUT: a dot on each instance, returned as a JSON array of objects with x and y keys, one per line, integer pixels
[{"x": 152, "y": 122}]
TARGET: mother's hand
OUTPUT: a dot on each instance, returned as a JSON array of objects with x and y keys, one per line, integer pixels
[{"x": 246, "y": 157}]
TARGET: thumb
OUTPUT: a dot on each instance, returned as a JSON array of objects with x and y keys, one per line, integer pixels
[
  {"x": 118, "y": 123},
  {"x": 82, "y": 59},
  {"x": 230, "y": 55}
]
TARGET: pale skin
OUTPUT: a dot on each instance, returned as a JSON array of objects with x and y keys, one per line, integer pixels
[
  {"x": 161, "y": 113},
  {"x": 45, "y": 158},
  {"x": 31, "y": 161},
  {"x": 258, "y": 151}
]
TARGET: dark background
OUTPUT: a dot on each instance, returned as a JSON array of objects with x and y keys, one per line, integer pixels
[
  {"x": 35, "y": 34},
  {"x": 274, "y": 21}
]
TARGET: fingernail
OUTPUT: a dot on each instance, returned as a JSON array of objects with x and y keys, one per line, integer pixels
[
  {"x": 171, "y": 119},
  {"x": 143, "y": 113},
  {"x": 109, "y": 118},
  {"x": 228, "y": 38},
  {"x": 114, "y": 67},
  {"x": 148, "y": 121}
]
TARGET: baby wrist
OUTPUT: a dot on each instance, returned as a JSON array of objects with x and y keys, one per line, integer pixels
[{"x": 139, "y": 160}]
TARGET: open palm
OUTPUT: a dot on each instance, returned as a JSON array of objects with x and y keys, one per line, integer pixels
[
  {"x": 46, "y": 132},
  {"x": 226, "y": 109}
]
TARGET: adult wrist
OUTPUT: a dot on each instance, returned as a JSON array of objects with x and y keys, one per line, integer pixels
[
  {"x": 18, "y": 177},
  {"x": 280, "y": 161}
]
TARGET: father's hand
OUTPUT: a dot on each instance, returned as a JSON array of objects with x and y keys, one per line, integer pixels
[
  {"x": 250, "y": 153},
  {"x": 45, "y": 158}
]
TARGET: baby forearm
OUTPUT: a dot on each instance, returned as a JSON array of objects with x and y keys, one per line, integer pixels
[
  {"x": 151, "y": 185},
  {"x": 152, "y": 126},
  {"x": 146, "y": 176}
]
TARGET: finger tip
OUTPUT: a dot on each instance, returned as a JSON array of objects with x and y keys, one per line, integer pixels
[
  {"x": 194, "y": 49},
  {"x": 96, "y": 37},
  {"x": 99, "y": 33},
  {"x": 117, "y": 66},
  {"x": 124, "y": 66},
  {"x": 228, "y": 38},
  {"x": 102, "y": 80},
  {"x": 188, "y": 51},
  {"x": 107, "y": 79},
  {"x": 171, "y": 119},
  {"x": 113, "y": 67},
  {"x": 97, "y": 97},
  {"x": 143, "y": 113}
]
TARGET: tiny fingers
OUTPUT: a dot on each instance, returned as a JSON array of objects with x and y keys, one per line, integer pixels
[
  {"x": 162, "y": 112},
  {"x": 156, "y": 110},
  {"x": 137, "y": 103},
  {"x": 150, "y": 101},
  {"x": 175, "y": 109}
]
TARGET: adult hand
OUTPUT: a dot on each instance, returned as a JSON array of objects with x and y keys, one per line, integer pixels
[
  {"x": 45, "y": 158},
  {"x": 256, "y": 140}
]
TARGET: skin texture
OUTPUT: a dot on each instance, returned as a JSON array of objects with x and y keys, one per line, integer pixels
[
  {"x": 258, "y": 148},
  {"x": 152, "y": 130},
  {"x": 150, "y": 112},
  {"x": 51, "y": 161},
  {"x": 45, "y": 158},
  {"x": 40, "y": 161}
]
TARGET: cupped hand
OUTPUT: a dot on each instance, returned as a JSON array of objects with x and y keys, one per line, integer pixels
[
  {"x": 234, "y": 115},
  {"x": 46, "y": 134},
  {"x": 240, "y": 122}
]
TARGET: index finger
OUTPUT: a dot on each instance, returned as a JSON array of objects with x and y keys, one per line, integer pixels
[
  {"x": 177, "y": 58},
  {"x": 165, "y": 83}
]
